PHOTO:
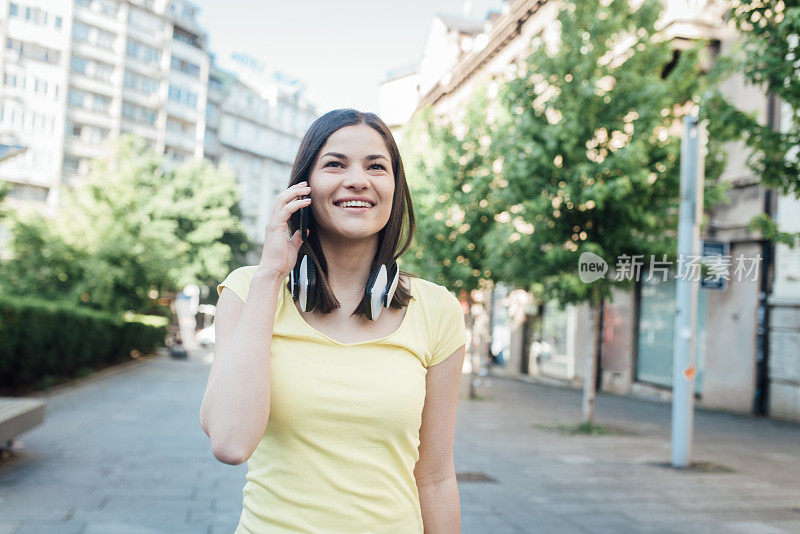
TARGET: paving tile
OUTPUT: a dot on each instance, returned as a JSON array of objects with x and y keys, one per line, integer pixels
[{"x": 124, "y": 454}]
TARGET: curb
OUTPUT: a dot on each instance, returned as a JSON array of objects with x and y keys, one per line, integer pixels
[{"x": 108, "y": 371}]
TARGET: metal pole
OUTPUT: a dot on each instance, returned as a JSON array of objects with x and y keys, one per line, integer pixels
[{"x": 686, "y": 290}]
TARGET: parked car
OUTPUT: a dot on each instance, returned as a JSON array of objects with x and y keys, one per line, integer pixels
[{"x": 206, "y": 336}]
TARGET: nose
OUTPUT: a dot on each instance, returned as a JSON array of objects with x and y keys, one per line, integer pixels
[{"x": 356, "y": 178}]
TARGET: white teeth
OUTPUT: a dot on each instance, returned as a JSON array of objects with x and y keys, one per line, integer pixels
[{"x": 355, "y": 204}]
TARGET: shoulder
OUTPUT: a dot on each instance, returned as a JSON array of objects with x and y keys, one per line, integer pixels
[
  {"x": 239, "y": 281},
  {"x": 445, "y": 320},
  {"x": 432, "y": 294},
  {"x": 429, "y": 287}
]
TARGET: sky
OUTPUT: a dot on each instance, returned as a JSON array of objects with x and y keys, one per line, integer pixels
[{"x": 340, "y": 50}]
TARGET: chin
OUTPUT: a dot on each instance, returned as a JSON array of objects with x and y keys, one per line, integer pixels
[{"x": 342, "y": 233}]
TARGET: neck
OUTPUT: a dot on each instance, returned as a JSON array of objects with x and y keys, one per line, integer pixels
[{"x": 349, "y": 264}]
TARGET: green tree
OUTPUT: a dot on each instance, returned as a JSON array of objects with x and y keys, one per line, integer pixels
[
  {"x": 768, "y": 58},
  {"x": 448, "y": 166},
  {"x": 5, "y": 190},
  {"x": 128, "y": 228},
  {"x": 590, "y": 154}
]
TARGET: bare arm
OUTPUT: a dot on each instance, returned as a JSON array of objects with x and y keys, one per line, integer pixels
[
  {"x": 435, "y": 472},
  {"x": 235, "y": 406}
]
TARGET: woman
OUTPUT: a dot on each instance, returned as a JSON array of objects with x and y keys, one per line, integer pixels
[{"x": 345, "y": 421}]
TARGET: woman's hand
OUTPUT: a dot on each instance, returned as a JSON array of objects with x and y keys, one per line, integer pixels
[{"x": 279, "y": 255}]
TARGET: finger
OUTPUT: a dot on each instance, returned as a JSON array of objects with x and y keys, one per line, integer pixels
[
  {"x": 296, "y": 190},
  {"x": 291, "y": 207},
  {"x": 295, "y": 240}
]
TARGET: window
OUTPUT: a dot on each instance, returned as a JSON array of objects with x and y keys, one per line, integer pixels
[
  {"x": 105, "y": 39},
  {"x": 212, "y": 110},
  {"x": 40, "y": 87},
  {"x": 106, "y": 7},
  {"x": 179, "y": 34},
  {"x": 71, "y": 164},
  {"x": 176, "y": 154},
  {"x": 79, "y": 64},
  {"x": 175, "y": 125},
  {"x": 145, "y": 20},
  {"x": 80, "y": 32},
  {"x": 75, "y": 130},
  {"x": 183, "y": 96},
  {"x": 142, "y": 52},
  {"x": 214, "y": 83},
  {"x": 184, "y": 66},
  {"x": 97, "y": 134},
  {"x": 145, "y": 84},
  {"x": 13, "y": 10},
  {"x": 129, "y": 111},
  {"x": 139, "y": 113},
  {"x": 101, "y": 103},
  {"x": 103, "y": 71},
  {"x": 130, "y": 80},
  {"x": 12, "y": 79},
  {"x": 29, "y": 192},
  {"x": 58, "y": 22},
  {"x": 33, "y": 51},
  {"x": 149, "y": 85},
  {"x": 75, "y": 98},
  {"x": 35, "y": 15}
]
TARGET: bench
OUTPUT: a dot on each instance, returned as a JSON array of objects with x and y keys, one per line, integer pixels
[{"x": 18, "y": 415}]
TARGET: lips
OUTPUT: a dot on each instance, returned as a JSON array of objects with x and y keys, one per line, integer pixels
[
  {"x": 339, "y": 202},
  {"x": 353, "y": 209}
]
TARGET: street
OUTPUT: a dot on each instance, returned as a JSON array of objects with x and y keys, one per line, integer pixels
[{"x": 123, "y": 453}]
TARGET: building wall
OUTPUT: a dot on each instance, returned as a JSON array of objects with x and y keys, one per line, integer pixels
[
  {"x": 115, "y": 73},
  {"x": 729, "y": 359},
  {"x": 33, "y": 95},
  {"x": 255, "y": 126},
  {"x": 784, "y": 334}
]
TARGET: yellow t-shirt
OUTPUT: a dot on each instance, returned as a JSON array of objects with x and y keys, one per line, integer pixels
[{"x": 339, "y": 449}]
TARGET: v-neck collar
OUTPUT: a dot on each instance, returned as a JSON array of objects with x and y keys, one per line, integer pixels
[{"x": 411, "y": 304}]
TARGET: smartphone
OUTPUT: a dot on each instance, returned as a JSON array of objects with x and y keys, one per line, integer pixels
[
  {"x": 305, "y": 222},
  {"x": 302, "y": 218}
]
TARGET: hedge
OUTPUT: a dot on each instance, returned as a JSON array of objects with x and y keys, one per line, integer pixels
[{"x": 40, "y": 339}]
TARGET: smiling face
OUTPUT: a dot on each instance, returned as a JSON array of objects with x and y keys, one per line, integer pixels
[{"x": 354, "y": 163}]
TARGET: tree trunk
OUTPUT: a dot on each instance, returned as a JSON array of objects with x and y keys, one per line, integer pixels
[
  {"x": 471, "y": 352},
  {"x": 490, "y": 329},
  {"x": 592, "y": 363}
]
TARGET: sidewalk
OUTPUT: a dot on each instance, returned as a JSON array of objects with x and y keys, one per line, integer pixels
[
  {"x": 124, "y": 453},
  {"x": 551, "y": 482}
]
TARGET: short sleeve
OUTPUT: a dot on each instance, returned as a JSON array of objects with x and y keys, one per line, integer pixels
[
  {"x": 238, "y": 281},
  {"x": 451, "y": 332}
]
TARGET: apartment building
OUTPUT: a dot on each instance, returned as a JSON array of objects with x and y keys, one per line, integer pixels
[
  {"x": 78, "y": 73},
  {"x": 747, "y": 333},
  {"x": 255, "y": 120}
]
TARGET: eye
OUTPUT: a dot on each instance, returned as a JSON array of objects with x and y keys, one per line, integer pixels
[
  {"x": 379, "y": 165},
  {"x": 332, "y": 163}
]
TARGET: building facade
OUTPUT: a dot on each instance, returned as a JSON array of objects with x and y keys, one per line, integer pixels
[
  {"x": 255, "y": 121},
  {"x": 748, "y": 343},
  {"x": 77, "y": 73}
]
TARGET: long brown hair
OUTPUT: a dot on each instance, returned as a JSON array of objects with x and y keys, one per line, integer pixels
[{"x": 393, "y": 239}]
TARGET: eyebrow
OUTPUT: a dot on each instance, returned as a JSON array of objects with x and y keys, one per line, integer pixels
[{"x": 342, "y": 156}]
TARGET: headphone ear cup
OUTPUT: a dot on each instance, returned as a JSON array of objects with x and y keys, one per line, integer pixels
[
  {"x": 375, "y": 292},
  {"x": 311, "y": 282},
  {"x": 303, "y": 283},
  {"x": 387, "y": 301},
  {"x": 293, "y": 280}
]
